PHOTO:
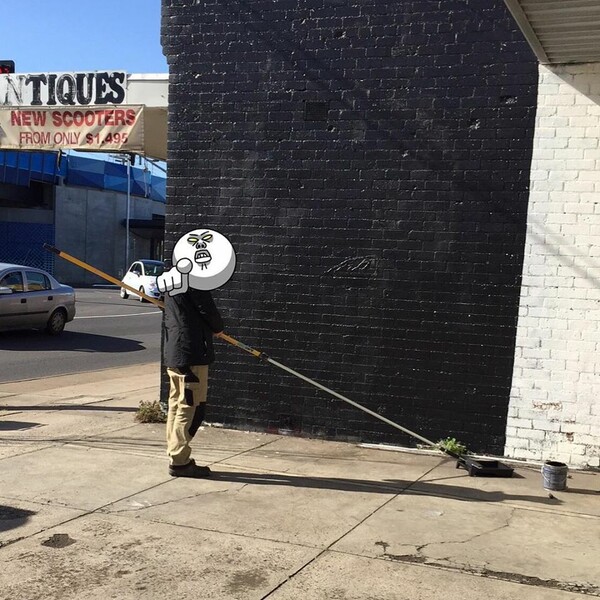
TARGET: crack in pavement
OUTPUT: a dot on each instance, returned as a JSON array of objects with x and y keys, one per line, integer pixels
[
  {"x": 355, "y": 526},
  {"x": 587, "y": 589},
  {"x": 445, "y": 563},
  {"x": 420, "y": 548},
  {"x": 5, "y": 543},
  {"x": 101, "y": 509},
  {"x": 144, "y": 507}
]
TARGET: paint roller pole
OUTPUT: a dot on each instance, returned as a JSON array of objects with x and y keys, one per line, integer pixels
[
  {"x": 127, "y": 217},
  {"x": 263, "y": 356},
  {"x": 101, "y": 274}
]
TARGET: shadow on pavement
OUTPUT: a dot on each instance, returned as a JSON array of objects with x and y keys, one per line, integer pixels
[
  {"x": 32, "y": 341},
  {"x": 387, "y": 486},
  {"x": 570, "y": 490},
  {"x": 16, "y": 425},
  {"x": 11, "y": 517}
]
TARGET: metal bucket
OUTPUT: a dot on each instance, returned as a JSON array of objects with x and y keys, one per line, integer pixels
[{"x": 554, "y": 475}]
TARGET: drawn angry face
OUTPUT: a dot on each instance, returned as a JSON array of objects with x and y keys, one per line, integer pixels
[
  {"x": 202, "y": 256},
  {"x": 211, "y": 255}
]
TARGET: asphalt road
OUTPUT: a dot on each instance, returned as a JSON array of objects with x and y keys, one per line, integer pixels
[{"x": 107, "y": 332}]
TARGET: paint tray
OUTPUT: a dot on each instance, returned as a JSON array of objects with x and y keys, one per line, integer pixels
[{"x": 484, "y": 468}]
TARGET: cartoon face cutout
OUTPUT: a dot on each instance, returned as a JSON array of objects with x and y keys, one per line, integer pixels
[
  {"x": 211, "y": 256},
  {"x": 202, "y": 255}
]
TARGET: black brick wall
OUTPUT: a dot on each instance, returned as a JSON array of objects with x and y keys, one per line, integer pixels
[{"x": 369, "y": 160}]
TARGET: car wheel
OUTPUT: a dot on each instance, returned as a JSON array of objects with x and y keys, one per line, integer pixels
[
  {"x": 143, "y": 292},
  {"x": 56, "y": 322},
  {"x": 124, "y": 294}
]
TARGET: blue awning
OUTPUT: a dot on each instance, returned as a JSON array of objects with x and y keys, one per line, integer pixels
[{"x": 20, "y": 168}]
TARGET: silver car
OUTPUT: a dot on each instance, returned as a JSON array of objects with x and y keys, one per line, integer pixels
[{"x": 31, "y": 298}]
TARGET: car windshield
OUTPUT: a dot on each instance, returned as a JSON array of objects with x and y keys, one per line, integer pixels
[{"x": 153, "y": 270}]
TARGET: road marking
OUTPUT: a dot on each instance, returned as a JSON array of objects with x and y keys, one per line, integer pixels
[{"x": 154, "y": 312}]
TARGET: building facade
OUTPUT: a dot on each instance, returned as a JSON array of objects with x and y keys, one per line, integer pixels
[
  {"x": 371, "y": 162},
  {"x": 79, "y": 205},
  {"x": 554, "y": 410}
]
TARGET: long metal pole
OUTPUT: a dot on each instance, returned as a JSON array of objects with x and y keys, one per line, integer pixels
[
  {"x": 355, "y": 404},
  {"x": 263, "y": 356},
  {"x": 127, "y": 218}
]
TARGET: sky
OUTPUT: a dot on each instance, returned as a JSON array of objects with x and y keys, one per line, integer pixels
[
  {"x": 42, "y": 36},
  {"x": 82, "y": 35}
]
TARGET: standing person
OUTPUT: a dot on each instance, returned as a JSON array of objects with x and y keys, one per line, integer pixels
[{"x": 191, "y": 319}]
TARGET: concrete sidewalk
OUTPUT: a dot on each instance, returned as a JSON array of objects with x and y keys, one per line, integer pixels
[{"x": 88, "y": 511}]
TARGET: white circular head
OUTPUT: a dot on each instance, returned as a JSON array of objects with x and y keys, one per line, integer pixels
[{"x": 212, "y": 257}]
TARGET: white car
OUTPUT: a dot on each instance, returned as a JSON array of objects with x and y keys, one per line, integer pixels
[{"x": 142, "y": 276}]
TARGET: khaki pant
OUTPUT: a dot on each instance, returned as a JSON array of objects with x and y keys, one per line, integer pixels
[{"x": 187, "y": 405}]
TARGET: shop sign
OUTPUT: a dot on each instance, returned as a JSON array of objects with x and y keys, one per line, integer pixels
[
  {"x": 94, "y": 88},
  {"x": 110, "y": 128}
]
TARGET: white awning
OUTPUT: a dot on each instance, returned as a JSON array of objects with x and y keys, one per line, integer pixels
[
  {"x": 560, "y": 31},
  {"x": 155, "y": 132},
  {"x": 152, "y": 90}
]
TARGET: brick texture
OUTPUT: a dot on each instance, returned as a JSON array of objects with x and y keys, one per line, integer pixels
[
  {"x": 554, "y": 406},
  {"x": 369, "y": 160}
]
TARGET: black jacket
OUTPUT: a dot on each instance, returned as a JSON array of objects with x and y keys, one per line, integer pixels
[{"x": 190, "y": 321}]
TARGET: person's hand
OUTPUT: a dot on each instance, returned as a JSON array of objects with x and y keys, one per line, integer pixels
[
  {"x": 218, "y": 334},
  {"x": 175, "y": 280}
]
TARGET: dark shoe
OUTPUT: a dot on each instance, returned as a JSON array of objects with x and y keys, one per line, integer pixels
[{"x": 190, "y": 470}]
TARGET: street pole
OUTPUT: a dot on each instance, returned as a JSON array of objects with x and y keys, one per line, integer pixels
[{"x": 127, "y": 218}]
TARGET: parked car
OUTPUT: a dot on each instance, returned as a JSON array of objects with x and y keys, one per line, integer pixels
[
  {"x": 32, "y": 299},
  {"x": 142, "y": 276}
]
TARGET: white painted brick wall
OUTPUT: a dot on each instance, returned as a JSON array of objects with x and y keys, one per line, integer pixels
[{"x": 554, "y": 411}]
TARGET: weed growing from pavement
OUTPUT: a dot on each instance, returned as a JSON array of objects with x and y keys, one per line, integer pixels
[
  {"x": 150, "y": 412},
  {"x": 452, "y": 445}
]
